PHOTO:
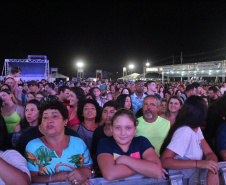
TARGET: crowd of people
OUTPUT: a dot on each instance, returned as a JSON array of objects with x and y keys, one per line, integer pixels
[{"x": 73, "y": 131}]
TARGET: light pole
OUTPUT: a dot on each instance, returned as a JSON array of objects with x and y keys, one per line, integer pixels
[
  {"x": 144, "y": 68},
  {"x": 131, "y": 66},
  {"x": 80, "y": 70},
  {"x": 124, "y": 71}
]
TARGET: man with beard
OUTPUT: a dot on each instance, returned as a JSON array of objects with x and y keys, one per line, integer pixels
[{"x": 152, "y": 126}]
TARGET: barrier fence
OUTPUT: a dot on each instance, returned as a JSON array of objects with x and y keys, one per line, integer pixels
[{"x": 176, "y": 177}]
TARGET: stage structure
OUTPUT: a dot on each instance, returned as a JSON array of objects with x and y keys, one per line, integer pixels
[{"x": 35, "y": 67}]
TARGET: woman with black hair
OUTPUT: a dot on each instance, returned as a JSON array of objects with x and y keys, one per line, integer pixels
[
  {"x": 76, "y": 96},
  {"x": 89, "y": 115},
  {"x": 185, "y": 145},
  {"x": 13, "y": 168},
  {"x": 126, "y": 91},
  {"x": 124, "y": 101}
]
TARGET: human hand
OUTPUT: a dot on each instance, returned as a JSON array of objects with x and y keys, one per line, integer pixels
[
  {"x": 76, "y": 177},
  {"x": 212, "y": 179},
  {"x": 164, "y": 173},
  {"x": 60, "y": 176},
  {"x": 208, "y": 164},
  {"x": 121, "y": 159}
]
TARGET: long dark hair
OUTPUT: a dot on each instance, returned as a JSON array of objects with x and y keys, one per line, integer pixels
[
  {"x": 5, "y": 142},
  {"x": 122, "y": 99},
  {"x": 78, "y": 91},
  {"x": 193, "y": 114}
]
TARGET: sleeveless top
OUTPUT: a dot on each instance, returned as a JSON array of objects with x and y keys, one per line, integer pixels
[
  {"x": 11, "y": 121},
  {"x": 86, "y": 135},
  {"x": 74, "y": 120}
]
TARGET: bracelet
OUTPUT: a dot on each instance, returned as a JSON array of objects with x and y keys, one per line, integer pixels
[
  {"x": 50, "y": 178},
  {"x": 196, "y": 164}
]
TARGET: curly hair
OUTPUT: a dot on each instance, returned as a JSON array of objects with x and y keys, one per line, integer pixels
[{"x": 81, "y": 107}]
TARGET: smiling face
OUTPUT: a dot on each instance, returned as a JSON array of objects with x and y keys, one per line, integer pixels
[
  {"x": 52, "y": 123},
  {"x": 65, "y": 94},
  {"x": 89, "y": 111},
  {"x": 174, "y": 105},
  {"x": 32, "y": 113},
  {"x": 73, "y": 98},
  {"x": 123, "y": 130}
]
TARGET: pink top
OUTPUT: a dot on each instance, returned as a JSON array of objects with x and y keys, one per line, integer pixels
[{"x": 74, "y": 120}]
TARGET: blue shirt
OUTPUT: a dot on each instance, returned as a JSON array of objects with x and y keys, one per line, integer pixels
[
  {"x": 136, "y": 149},
  {"x": 221, "y": 137},
  {"x": 45, "y": 161},
  {"x": 137, "y": 102}
]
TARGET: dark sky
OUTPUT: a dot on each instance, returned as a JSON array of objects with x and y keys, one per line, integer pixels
[{"x": 109, "y": 35}]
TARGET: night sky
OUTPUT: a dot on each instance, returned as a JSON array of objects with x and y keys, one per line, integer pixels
[{"x": 111, "y": 35}]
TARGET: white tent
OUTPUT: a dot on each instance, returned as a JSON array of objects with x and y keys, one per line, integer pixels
[
  {"x": 54, "y": 76},
  {"x": 129, "y": 77}
]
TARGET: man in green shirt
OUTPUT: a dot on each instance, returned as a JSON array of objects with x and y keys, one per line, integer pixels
[{"x": 152, "y": 126}]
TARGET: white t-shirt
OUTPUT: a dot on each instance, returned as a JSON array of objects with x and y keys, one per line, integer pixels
[
  {"x": 222, "y": 90},
  {"x": 186, "y": 143},
  {"x": 15, "y": 159}
]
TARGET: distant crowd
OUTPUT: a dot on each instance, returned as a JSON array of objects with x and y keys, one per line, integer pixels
[{"x": 73, "y": 131}]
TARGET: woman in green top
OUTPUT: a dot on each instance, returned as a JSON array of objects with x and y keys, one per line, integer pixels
[{"x": 11, "y": 111}]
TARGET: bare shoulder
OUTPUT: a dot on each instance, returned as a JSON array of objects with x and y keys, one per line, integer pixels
[
  {"x": 17, "y": 128},
  {"x": 20, "y": 107}
]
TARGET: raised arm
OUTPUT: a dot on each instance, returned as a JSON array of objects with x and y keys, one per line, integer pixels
[
  {"x": 149, "y": 166},
  {"x": 112, "y": 171}
]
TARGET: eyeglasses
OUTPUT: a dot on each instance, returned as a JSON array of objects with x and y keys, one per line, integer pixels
[{"x": 140, "y": 85}]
